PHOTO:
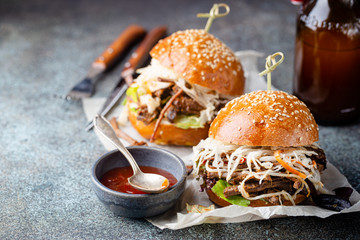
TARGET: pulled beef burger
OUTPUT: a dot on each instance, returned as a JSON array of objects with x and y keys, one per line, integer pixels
[
  {"x": 191, "y": 76},
  {"x": 261, "y": 151}
]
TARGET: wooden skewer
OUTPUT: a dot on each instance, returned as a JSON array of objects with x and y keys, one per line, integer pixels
[{"x": 123, "y": 135}]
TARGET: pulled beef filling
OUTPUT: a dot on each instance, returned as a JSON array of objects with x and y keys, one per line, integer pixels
[
  {"x": 320, "y": 158},
  {"x": 185, "y": 105},
  {"x": 255, "y": 187},
  {"x": 145, "y": 116},
  {"x": 181, "y": 105},
  {"x": 268, "y": 185}
]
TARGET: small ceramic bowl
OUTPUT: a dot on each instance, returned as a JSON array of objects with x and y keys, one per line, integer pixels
[{"x": 139, "y": 205}]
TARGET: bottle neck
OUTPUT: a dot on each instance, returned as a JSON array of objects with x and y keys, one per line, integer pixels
[
  {"x": 331, "y": 15},
  {"x": 343, "y": 11},
  {"x": 331, "y": 24}
]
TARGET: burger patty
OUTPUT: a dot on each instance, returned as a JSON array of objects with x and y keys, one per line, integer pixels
[{"x": 268, "y": 185}]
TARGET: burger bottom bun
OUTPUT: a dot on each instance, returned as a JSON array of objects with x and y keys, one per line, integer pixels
[
  {"x": 253, "y": 203},
  {"x": 168, "y": 134}
]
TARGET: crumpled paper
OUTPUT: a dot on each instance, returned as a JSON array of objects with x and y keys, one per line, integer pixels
[{"x": 177, "y": 217}]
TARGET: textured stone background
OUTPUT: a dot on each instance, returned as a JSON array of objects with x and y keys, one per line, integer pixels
[{"x": 46, "y": 156}]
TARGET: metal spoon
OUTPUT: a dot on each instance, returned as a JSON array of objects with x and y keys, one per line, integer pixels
[{"x": 146, "y": 182}]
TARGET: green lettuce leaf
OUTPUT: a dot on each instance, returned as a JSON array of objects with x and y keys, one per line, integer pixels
[
  {"x": 123, "y": 103},
  {"x": 218, "y": 189},
  {"x": 185, "y": 122},
  {"x": 134, "y": 110},
  {"x": 131, "y": 92}
]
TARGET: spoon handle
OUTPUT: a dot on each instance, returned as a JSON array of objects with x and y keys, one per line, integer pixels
[{"x": 107, "y": 131}]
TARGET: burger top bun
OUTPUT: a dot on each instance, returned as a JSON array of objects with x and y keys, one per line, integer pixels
[
  {"x": 202, "y": 59},
  {"x": 265, "y": 118}
]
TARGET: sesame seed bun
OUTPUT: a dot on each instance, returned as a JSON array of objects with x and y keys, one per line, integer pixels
[
  {"x": 265, "y": 118},
  {"x": 169, "y": 133},
  {"x": 202, "y": 59}
]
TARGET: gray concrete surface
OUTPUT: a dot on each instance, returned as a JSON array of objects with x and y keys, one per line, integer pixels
[{"x": 46, "y": 156}]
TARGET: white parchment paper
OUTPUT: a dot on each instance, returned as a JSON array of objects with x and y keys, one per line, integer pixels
[{"x": 177, "y": 218}]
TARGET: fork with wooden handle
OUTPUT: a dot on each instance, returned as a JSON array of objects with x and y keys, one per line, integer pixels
[
  {"x": 86, "y": 87},
  {"x": 136, "y": 60}
]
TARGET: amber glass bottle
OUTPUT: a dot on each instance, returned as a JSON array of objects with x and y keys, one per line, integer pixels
[{"x": 327, "y": 59}]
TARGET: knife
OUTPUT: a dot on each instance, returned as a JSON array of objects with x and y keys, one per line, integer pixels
[
  {"x": 85, "y": 88},
  {"x": 136, "y": 60}
]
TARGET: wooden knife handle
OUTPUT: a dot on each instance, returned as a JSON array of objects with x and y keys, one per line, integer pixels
[
  {"x": 123, "y": 41},
  {"x": 142, "y": 52}
]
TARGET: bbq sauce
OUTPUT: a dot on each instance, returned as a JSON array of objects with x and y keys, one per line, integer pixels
[
  {"x": 327, "y": 60},
  {"x": 117, "y": 178}
]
